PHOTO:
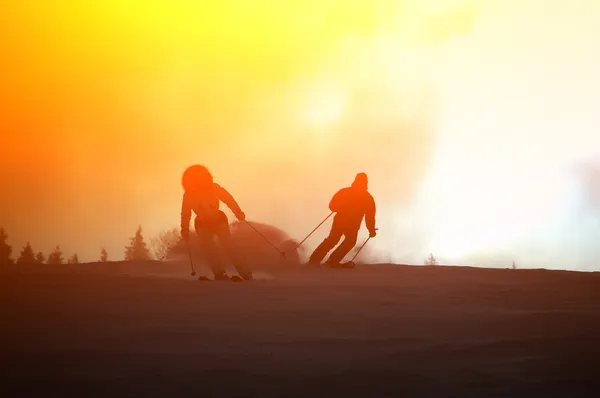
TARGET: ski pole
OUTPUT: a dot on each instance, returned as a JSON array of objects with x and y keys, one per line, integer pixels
[
  {"x": 190, "y": 257},
  {"x": 282, "y": 254},
  {"x": 313, "y": 231},
  {"x": 360, "y": 248}
]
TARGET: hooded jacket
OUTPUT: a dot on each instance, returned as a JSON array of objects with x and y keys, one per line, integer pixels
[{"x": 354, "y": 203}]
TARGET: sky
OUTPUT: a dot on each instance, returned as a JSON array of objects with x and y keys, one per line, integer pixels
[{"x": 476, "y": 121}]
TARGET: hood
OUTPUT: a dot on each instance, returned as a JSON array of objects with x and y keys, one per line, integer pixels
[{"x": 361, "y": 181}]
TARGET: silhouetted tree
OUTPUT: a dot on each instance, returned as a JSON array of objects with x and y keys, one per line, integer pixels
[
  {"x": 103, "y": 255},
  {"x": 5, "y": 249},
  {"x": 27, "y": 256},
  {"x": 74, "y": 259},
  {"x": 431, "y": 260},
  {"x": 162, "y": 244},
  {"x": 40, "y": 258},
  {"x": 137, "y": 249},
  {"x": 56, "y": 257}
]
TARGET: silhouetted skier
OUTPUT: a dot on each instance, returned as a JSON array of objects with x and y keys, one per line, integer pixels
[
  {"x": 202, "y": 196},
  {"x": 351, "y": 205}
]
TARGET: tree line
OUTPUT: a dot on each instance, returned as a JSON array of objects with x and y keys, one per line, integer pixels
[{"x": 136, "y": 250}]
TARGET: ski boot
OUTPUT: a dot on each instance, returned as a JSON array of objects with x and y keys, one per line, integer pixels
[
  {"x": 221, "y": 276},
  {"x": 244, "y": 276}
]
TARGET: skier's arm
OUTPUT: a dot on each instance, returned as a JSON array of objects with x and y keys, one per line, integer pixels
[
  {"x": 370, "y": 214},
  {"x": 225, "y": 197},
  {"x": 186, "y": 215}
]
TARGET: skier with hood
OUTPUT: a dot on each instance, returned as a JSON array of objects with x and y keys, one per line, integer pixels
[
  {"x": 351, "y": 205},
  {"x": 202, "y": 196}
]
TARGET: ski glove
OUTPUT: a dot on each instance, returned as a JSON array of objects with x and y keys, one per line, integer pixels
[{"x": 372, "y": 233}]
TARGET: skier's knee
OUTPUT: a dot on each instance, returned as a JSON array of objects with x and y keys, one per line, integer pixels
[
  {"x": 331, "y": 241},
  {"x": 351, "y": 239}
]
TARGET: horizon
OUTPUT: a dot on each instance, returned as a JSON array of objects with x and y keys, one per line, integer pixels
[{"x": 480, "y": 142}]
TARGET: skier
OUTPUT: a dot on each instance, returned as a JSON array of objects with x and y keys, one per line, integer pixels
[
  {"x": 202, "y": 196},
  {"x": 351, "y": 205}
]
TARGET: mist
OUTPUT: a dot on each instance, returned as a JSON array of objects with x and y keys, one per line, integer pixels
[
  {"x": 473, "y": 120},
  {"x": 518, "y": 127}
]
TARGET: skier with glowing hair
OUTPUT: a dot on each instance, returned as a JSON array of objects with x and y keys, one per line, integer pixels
[{"x": 202, "y": 196}]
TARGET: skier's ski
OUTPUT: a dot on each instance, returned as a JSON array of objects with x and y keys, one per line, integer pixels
[
  {"x": 220, "y": 278},
  {"x": 349, "y": 264},
  {"x": 233, "y": 278}
]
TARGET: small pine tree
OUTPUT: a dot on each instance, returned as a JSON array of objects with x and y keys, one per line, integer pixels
[
  {"x": 27, "y": 255},
  {"x": 104, "y": 255},
  {"x": 5, "y": 249},
  {"x": 514, "y": 265},
  {"x": 40, "y": 258},
  {"x": 56, "y": 257},
  {"x": 137, "y": 249},
  {"x": 431, "y": 260},
  {"x": 74, "y": 259}
]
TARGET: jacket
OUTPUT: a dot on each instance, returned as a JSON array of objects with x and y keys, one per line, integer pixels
[
  {"x": 205, "y": 204},
  {"x": 352, "y": 204}
]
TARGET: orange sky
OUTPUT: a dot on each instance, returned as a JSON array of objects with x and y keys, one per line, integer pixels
[{"x": 105, "y": 103}]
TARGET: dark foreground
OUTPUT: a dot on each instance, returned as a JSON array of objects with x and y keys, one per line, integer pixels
[{"x": 375, "y": 331}]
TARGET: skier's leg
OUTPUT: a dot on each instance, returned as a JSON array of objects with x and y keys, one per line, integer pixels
[
  {"x": 231, "y": 251},
  {"x": 328, "y": 243},
  {"x": 209, "y": 252},
  {"x": 349, "y": 242}
]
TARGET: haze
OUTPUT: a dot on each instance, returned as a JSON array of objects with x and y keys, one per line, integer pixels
[{"x": 476, "y": 121}]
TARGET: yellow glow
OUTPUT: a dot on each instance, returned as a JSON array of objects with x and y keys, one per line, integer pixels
[
  {"x": 458, "y": 120},
  {"x": 324, "y": 107}
]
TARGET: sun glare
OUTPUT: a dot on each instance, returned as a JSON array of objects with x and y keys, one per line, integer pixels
[
  {"x": 474, "y": 205},
  {"x": 325, "y": 107}
]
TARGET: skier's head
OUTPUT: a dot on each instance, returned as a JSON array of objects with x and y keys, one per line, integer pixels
[
  {"x": 196, "y": 177},
  {"x": 361, "y": 181}
]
